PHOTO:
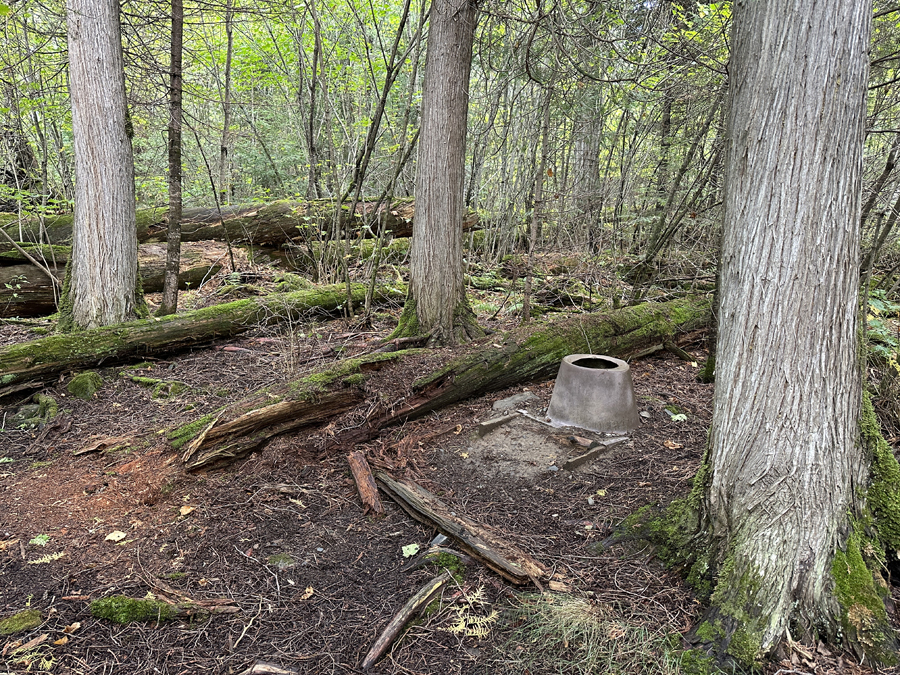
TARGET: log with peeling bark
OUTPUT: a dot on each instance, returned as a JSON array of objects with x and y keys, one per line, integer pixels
[
  {"x": 26, "y": 290},
  {"x": 412, "y": 607},
  {"x": 235, "y": 431},
  {"x": 527, "y": 354},
  {"x": 40, "y": 360},
  {"x": 485, "y": 544},
  {"x": 365, "y": 483},
  {"x": 261, "y": 224}
]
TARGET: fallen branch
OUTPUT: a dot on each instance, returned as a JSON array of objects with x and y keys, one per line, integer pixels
[
  {"x": 365, "y": 483},
  {"x": 412, "y": 607},
  {"x": 480, "y": 542}
]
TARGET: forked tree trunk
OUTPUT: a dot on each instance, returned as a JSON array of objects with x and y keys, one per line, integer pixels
[
  {"x": 102, "y": 287},
  {"x": 436, "y": 289},
  {"x": 785, "y": 463}
]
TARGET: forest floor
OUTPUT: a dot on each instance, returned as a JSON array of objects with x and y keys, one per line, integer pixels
[{"x": 282, "y": 534}]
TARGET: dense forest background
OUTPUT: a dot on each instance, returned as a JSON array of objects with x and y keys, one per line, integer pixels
[{"x": 616, "y": 108}]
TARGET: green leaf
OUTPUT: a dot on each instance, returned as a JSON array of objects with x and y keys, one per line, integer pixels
[
  {"x": 4, "y": 9},
  {"x": 410, "y": 550}
]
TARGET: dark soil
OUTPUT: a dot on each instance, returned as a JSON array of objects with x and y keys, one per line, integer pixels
[{"x": 282, "y": 535}]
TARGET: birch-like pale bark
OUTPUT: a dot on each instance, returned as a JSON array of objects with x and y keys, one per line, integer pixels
[
  {"x": 103, "y": 273},
  {"x": 784, "y": 454}
]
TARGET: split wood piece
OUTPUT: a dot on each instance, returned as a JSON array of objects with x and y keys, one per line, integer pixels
[
  {"x": 26, "y": 290},
  {"x": 480, "y": 542},
  {"x": 533, "y": 353},
  {"x": 365, "y": 483},
  {"x": 261, "y": 224},
  {"x": 595, "y": 449},
  {"x": 412, "y": 607},
  {"x": 486, "y": 427},
  {"x": 237, "y": 430},
  {"x": 185, "y": 603},
  {"x": 43, "y": 358}
]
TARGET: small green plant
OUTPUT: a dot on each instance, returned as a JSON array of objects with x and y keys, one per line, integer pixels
[
  {"x": 883, "y": 338},
  {"x": 40, "y": 540},
  {"x": 49, "y": 558}
]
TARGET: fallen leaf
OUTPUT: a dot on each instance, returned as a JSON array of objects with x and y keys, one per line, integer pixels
[
  {"x": 672, "y": 445},
  {"x": 116, "y": 535},
  {"x": 72, "y": 627},
  {"x": 410, "y": 550},
  {"x": 307, "y": 594},
  {"x": 184, "y": 510},
  {"x": 464, "y": 455},
  {"x": 458, "y": 429},
  {"x": 63, "y": 640},
  {"x": 601, "y": 493}
]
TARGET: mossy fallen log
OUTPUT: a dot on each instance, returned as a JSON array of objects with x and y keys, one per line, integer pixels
[
  {"x": 273, "y": 223},
  {"x": 41, "y": 359},
  {"x": 530, "y": 353},
  {"x": 26, "y": 290},
  {"x": 534, "y": 352},
  {"x": 235, "y": 431}
]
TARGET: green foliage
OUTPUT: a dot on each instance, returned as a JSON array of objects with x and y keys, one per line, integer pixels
[{"x": 121, "y": 609}]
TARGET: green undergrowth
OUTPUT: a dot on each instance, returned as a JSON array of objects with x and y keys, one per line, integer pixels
[
  {"x": 162, "y": 389},
  {"x": 449, "y": 562},
  {"x": 85, "y": 385}
]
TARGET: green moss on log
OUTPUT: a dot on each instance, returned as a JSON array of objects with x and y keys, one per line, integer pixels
[
  {"x": 187, "y": 432},
  {"x": 883, "y": 495},
  {"x": 121, "y": 609},
  {"x": 85, "y": 385},
  {"x": 19, "y": 623}
]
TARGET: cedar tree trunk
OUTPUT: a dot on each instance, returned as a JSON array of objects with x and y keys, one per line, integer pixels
[
  {"x": 102, "y": 279},
  {"x": 437, "y": 289},
  {"x": 785, "y": 464}
]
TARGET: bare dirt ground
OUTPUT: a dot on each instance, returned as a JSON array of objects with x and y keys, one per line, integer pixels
[{"x": 282, "y": 535}]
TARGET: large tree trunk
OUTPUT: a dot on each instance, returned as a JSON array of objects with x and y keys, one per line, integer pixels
[
  {"x": 527, "y": 354},
  {"x": 437, "y": 301},
  {"x": 785, "y": 464},
  {"x": 102, "y": 288},
  {"x": 41, "y": 359},
  {"x": 271, "y": 224}
]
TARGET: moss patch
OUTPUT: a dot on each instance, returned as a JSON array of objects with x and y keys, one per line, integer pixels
[
  {"x": 187, "y": 432},
  {"x": 449, "y": 562},
  {"x": 40, "y": 411},
  {"x": 85, "y": 385},
  {"x": 883, "y": 496},
  {"x": 120, "y": 609},
  {"x": 281, "y": 560},
  {"x": 21, "y": 622},
  {"x": 161, "y": 388}
]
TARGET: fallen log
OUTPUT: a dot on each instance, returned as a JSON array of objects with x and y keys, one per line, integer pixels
[
  {"x": 365, "y": 483},
  {"x": 260, "y": 224},
  {"x": 42, "y": 359},
  {"x": 26, "y": 290},
  {"x": 479, "y": 541},
  {"x": 534, "y": 352},
  {"x": 234, "y": 432},
  {"x": 412, "y": 607},
  {"x": 527, "y": 354}
]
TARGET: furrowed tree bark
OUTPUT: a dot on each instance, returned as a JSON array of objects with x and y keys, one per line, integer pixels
[
  {"x": 527, "y": 354},
  {"x": 437, "y": 302},
  {"x": 270, "y": 224},
  {"x": 786, "y": 467},
  {"x": 102, "y": 286},
  {"x": 41, "y": 359}
]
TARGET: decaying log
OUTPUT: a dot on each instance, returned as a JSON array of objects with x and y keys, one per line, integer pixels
[
  {"x": 41, "y": 359},
  {"x": 534, "y": 352},
  {"x": 365, "y": 483},
  {"x": 412, "y": 607},
  {"x": 27, "y": 291},
  {"x": 479, "y": 541},
  {"x": 261, "y": 224},
  {"x": 237, "y": 430},
  {"x": 526, "y": 354}
]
